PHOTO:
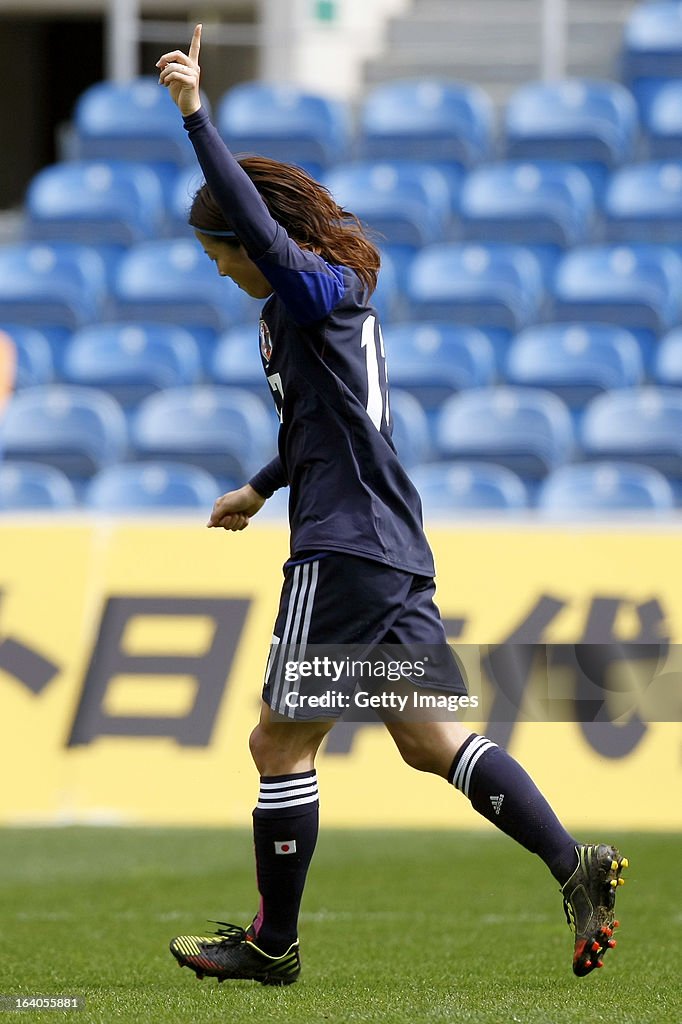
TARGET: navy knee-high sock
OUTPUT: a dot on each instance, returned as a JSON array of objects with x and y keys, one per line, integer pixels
[
  {"x": 285, "y": 825},
  {"x": 505, "y": 794}
]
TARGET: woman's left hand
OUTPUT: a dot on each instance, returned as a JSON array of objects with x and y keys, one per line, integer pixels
[{"x": 180, "y": 73}]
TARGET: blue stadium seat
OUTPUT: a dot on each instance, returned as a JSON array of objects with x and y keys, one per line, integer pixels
[
  {"x": 224, "y": 430},
  {"x": 186, "y": 184},
  {"x": 454, "y": 488},
  {"x": 172, "y": 281},
  {"x": 643, "y": 203},
  {"x": 638, "y": 286},
  {"x": 604, "y": 487},
  {"x": 591, "y": 123},
  {"x": 131, "y": 361},
  {"x": 94, "y": 202},
  {"x": 375, "y": 191},
  {"x": 130, "y": 121},
  {"x": 544, "y": 204},
  {"x": 405, "y": 202},
  {"x": 641, "y": 425},
  {"x": 286, "y": 123},
  {"x": 529, "y": 431},
  {"x": 410, "y": 428},
  {"x": 442, "y": 121},
  {"x": 668, "y": 361},
  {"x": 30, "y": 485},
  {"x": 155, "y": 485},
  {"x": 652, "y": 42},
  {"x": 576, "y": 361},
  {"x": 433, "y": 361},
  {"x": 236, "y": 359},
  {"x": 485, "y": 285},
  {"x": 35, "y": 364},
  {"x": 662, "y": 120},
  {"x": 57, "y": 285},
  {"x": 78, "y": 430},
  {"x": 387, "y": 296}
]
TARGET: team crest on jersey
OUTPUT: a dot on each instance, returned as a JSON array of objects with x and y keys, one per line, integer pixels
[{"x": 265, "y": 341}]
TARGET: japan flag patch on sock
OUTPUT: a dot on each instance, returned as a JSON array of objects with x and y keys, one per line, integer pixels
[{"x": 287, "y": 846}]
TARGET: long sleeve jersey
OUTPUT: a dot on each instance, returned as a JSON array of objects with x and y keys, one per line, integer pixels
[{"x": 323, "y": 355}]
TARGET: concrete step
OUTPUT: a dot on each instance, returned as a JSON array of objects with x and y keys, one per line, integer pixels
[{"x": 497, "y": 43}]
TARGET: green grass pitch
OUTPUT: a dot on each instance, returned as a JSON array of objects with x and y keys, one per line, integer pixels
[{"x": 396, "y": 927}]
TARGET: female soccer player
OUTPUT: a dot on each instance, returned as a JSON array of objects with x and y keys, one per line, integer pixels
[{"x": 360, "y": 571}]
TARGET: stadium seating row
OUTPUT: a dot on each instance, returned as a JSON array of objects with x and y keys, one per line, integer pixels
[
  {"x": 228, "y": 432},
  {"x": 446, "y": 489},
  {"x": 543, "y": 203},
  {"x": 432, "y": 360},
  {"x": 497, "y": 287},
  {"x": 440, "y": 120}
]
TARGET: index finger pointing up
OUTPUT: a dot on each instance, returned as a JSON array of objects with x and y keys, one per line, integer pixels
[{"x": 195, "y": 45}]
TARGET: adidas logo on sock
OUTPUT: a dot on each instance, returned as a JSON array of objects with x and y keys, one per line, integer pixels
[{"x": 496, "y": 801}]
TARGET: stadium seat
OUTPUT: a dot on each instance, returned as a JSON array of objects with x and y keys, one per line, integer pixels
[
  {"x": 668, "y": 360},
  {"x": 405, "y": 202},
  {"x": 286, "y": 123},
  {"x": 226, "y": 431},
  {"x": 576, "y": 361},
  {"x": 662, "y": 120},
  {"x": 641, "y": 425},
  {"x": 484, "y": 285},
  {"x": 460, "y": 487},
  {"x": 30, "y": 485},
  {"x": 638, "y": 286},
  {"x": 604, "y": 487},
  {"x": 652, "y": 42},
  {"x": 78, "y": 430},
  {"x": 387, "y": 298},
  {"x": 376, "y": 190},
  {"x": 186, "y": 184},
  {"x": 544, "y": 204},
  {"x": 236, "y": 360},
  {"x": 130, "y": 121},
  {"x": 433, "y": 361},
  {"x": 590, "y": 123},
  {"x": 172, "y": 281},
  {"x": 643, "y": 203},
  {"x": 441, "y": 121},
  {"x": 58, "y": 285},
  {"x": 410, "y": 428},
  {"x": 34, "y": 356},
  {"x": 93, "y": 202},
  {"x": 155, "y": 485},
  {"x": 529, "y": 431},
  {"x": 131, "y": 361}
]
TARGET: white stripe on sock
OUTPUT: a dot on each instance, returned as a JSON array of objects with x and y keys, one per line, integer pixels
[
  {"x": 464, "y": 760},
  {"x": 288, "y": 803},
  {"x": 288, "y": 793},
  {"x": 290, "y": 782},
  {"x": 472, "y": 764}
]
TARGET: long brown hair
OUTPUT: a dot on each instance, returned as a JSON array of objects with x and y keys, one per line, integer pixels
[{"x": 305, "y": 209}]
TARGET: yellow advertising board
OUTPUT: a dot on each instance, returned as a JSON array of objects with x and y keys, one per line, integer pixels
[{"x": 132, "y": 657}]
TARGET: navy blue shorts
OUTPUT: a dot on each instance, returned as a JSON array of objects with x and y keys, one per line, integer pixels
[{"x": 348, "y": 607}]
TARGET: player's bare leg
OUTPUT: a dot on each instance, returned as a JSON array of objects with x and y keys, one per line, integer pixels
[{"x": 500, "y": 790}]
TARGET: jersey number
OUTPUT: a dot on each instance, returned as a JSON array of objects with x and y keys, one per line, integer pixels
[
  {"x": 275, "y": 382},
  {"x": 377, "y": 398}
]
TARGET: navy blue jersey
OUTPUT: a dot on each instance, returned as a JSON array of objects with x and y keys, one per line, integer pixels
[{"x": 324, "y": 360}]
